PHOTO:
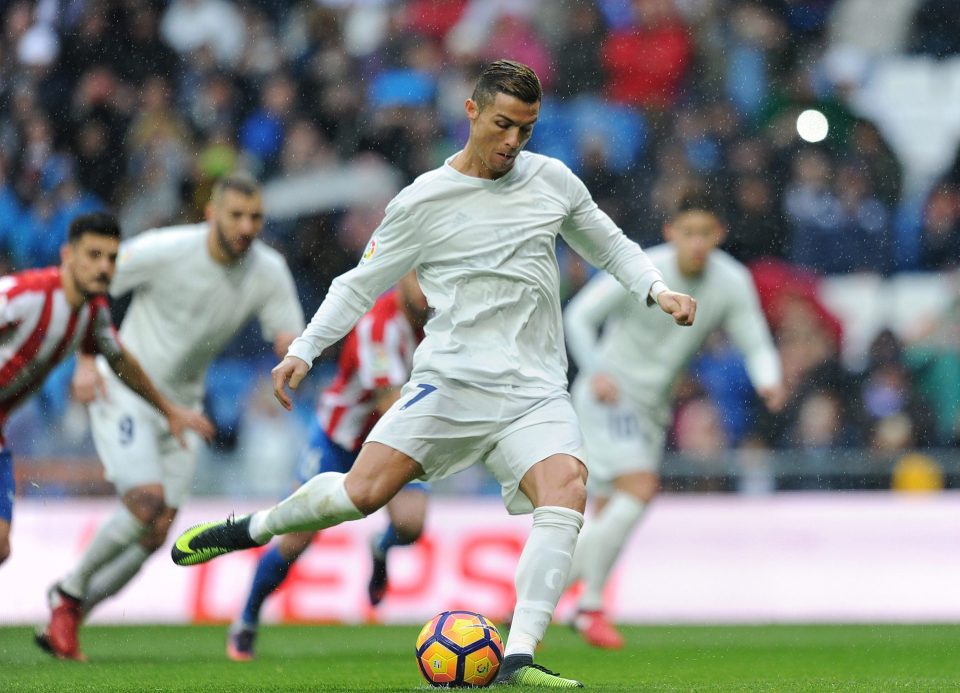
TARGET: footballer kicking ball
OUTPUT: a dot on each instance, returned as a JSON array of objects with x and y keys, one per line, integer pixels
[{"x": 459, "y": 649}]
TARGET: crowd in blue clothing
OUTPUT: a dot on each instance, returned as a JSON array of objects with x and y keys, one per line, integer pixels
[{"x": 137, "y": 105}]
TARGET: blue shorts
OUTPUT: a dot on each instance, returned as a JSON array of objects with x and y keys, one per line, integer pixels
[
  {"x": 323, "y": 455},
  {"x": 7, "y": 485}
]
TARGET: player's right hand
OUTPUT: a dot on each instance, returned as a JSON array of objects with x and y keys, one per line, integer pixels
[
  {"x": 291, "y": 371},
  {"x": 87, "y": 383},
  {"x": 680, "y": 307},
  {"x": 605, "y": 388}
]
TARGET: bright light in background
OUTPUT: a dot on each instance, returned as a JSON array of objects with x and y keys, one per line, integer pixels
[{"x": 812, "y": 125}]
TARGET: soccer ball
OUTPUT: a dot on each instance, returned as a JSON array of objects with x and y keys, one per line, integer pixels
[{"x": 459, "y": 648}]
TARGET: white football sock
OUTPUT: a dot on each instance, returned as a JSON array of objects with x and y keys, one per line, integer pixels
[
  {"x": 320, "y": 503},
  {"x": 114, "y": 576},
  {"x": 542, "y": 575},
  {"x": 120, "y": 531},
  {"x": 601, "y": 544}
]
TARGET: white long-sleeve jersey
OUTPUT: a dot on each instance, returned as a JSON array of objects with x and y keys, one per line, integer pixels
[
  {"x": 644, "y": 353},
  {"x": 186, "y": 307},
  {"x": 485, "y": 253}
]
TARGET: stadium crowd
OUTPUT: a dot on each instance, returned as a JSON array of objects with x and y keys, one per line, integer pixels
[{"x": 139, "y": 105}]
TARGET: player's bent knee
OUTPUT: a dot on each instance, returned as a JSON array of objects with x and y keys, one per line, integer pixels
[
  {"x": 4, "y": 551},
  {"x": 146, "y": 503}
]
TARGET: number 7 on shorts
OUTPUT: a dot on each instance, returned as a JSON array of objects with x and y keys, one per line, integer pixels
[{"x": 424, "y": 391}]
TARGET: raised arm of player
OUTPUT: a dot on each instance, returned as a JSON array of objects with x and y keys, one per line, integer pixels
[
  {"x": 594, "y": 236},
  {"x": 179, "y": 418},
  {"x": 391, "y": 253}
]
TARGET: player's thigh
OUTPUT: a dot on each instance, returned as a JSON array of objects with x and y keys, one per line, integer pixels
[
  {"x": 547, "y": 429},
  {"x": 444, "y": 426},
  {"x": 125, "y": 433},
  {"x": 378, "y": 474},
  {"x": 620, "y": 439}
]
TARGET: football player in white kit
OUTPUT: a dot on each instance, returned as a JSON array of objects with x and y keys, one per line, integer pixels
[
  {"x": 489, "y": 380},
  {"x": 622, "y": 394},
  {"x": 193, "y": 287}
]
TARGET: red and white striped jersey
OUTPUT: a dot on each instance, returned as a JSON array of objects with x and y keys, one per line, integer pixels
[
  {"x": 378, "y": 353},
  {"x": 39, "y": 328}
]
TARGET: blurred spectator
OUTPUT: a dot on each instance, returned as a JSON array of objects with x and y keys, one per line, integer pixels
[
  {"x": 936, "y": 29},
  {"x": 262, "y": 133},
  {"x": 647, "y": 62},
  {"x": 577, "y": 57},
  {"x": 940, "y": 229},
  {"x": 755, "y": 227},
  {"x": 757, "y": 37},
  {"x": 188, "y": 25},
  {"x": 897, "y": 417}
]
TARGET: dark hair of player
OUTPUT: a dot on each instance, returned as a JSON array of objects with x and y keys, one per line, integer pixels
[
  {"x": 697, "y": 200},
  {"x": 507, "y": 77},
  {"x": 99, "y": 223},
  {"x": 238, "y": 181}
]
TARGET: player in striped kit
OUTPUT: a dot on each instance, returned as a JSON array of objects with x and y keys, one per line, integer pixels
[
  {"x": 193, "y": 288},
  {"x": 48, "y": 314},
  {"x": 489, "y": 381},
  {"x": 374, "y": 364},
  {"x": 623, "y": 391}
]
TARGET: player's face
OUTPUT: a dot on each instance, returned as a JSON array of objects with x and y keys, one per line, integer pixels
[
  {"x": 91, "y": 261},
  {"x": 500, "y": 130},
  {"x": 695, "y": 234},
  {"x": 414, "y": 302},
  {"x": 237, "y": 220}
]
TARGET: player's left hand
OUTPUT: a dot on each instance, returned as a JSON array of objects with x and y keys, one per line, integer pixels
[
  {"x": 180, "y": 419},
  {"x": 681, "y": 307}
]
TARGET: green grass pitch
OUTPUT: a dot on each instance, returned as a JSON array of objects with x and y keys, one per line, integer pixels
[{"x": 380, "y": 658}]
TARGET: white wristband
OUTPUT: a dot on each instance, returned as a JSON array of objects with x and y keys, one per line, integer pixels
[{"x": 657, "y": 288}]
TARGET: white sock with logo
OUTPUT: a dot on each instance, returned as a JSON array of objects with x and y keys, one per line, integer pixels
[
  {"x": 320, "y": 503},
  {"x": 542, "y": 575},
  {"x": 601, "y": 545},
  {"x": 120, "y": 531}
]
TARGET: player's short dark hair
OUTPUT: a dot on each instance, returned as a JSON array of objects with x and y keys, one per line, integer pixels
[
  {"x": 238, "y": 181},
  {"x": 507, "y": 77},
  {"x": 697, "y": 200},
  {"x": 99, "y": 223}
]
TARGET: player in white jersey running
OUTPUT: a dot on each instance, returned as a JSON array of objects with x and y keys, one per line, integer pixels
[
  {"x": 489, "y": 380},
  {"x": 48, "y": 314},
  {"x": 193, "y": 288},
  {"x": 622, "y": 394}
]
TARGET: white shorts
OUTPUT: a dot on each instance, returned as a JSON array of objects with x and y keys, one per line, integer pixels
[
  {"x": 447, "y": 426},
  {"x": 620, "y": 438},
  {"x": 135, "y": 444}
]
